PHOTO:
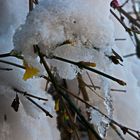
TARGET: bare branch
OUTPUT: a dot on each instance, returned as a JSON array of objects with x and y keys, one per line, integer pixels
[
  {"x": 90, "y": 69},
  {"x": 12, "y": 64},
  {"x": 24, "y": 93},
  {"x": 45, "y": 111}
]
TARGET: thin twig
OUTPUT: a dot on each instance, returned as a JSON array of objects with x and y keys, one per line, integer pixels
[
  {"x": 86, "y": 98},
  {"x": 117, "y": 132},
  {"x": 90, "y": 87},
  {"x": 30, "y": 5},
  {"x": 24, "y": 93},
  {"x": 45, "y": 111},
  {"x": 12, "y": 64},
  {"x": 80, "y": 65},
  {"x": 134, "y": 9},
  {"x": 118, "y": 90},
  {"x": 124, "y": 3},
  {"x": 122, "y": 23},
  {"x": 90, "y": 80},
  {"x": 11, "y": 54},
  {"x": 5, "y": 55},
  {"x": 112, "y": 89},
  {"x": 120, "y": 39},
  {"x": 32, "y": 101},
  {"x": 129, "y": 55},
  {"x": 5, "y": 69},
  {"x": 71, "y": 119},
  {"x": 130, "y": 18},
  {"x": 82, "y": 87}
]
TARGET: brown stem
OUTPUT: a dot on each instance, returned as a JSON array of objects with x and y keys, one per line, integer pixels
[
  {"x": 12, "y": 64},
  {"x": 30, "y": 5},
  {"x": 130, "y": 18},
  {"x": 124, "y": 3},
  {"x": 80, "y": 65},
  {"x": 122, "y": 23},
  {"x": 45, "y": 111},
  {"x": 117, "y": 132},
  {"x": 71, "y": 119}
]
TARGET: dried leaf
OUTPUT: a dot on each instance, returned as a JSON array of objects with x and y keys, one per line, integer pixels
[
  {"x": 57, "y": 105},
  {"x": 90, "y": 64},
  {"x": 15, "y": 103},
  {"x": 114, "y": 59}
]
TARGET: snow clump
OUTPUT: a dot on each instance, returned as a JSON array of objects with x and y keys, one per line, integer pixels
[{"x": 77, "y": 22}]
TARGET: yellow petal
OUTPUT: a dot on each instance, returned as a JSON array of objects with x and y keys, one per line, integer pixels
[{"x": 29, "y": 71}]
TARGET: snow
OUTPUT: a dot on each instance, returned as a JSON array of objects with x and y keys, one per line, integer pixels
[
  {"x": 53, "y": 22},
  {"x": 29, "y": 122},
  {"x": 21, "y": 125},
  {"x": 82, "y": 23},
  {"x": 99, "y": 120}
]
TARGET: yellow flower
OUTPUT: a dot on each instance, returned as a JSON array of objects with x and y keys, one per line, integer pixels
[{"x": 29, "y": 71}]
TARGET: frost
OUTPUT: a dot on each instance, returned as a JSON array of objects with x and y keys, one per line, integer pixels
[
  {"x": 99, "y": 121},
  {"x": 106, "y": 106}
]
